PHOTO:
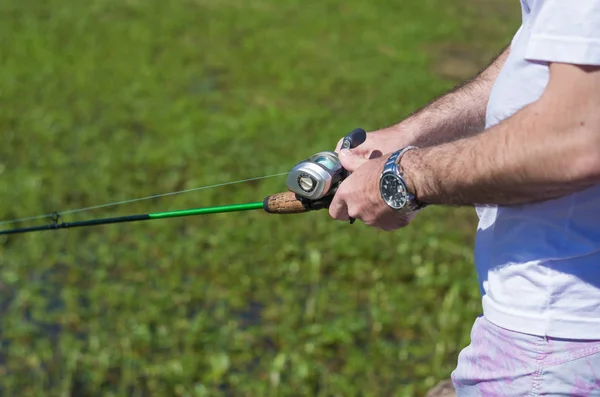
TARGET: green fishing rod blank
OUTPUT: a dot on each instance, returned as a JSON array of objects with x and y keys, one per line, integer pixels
[
  {"x": 208, "y": 210},
  {"x": 280, "y": 203},
  {"x": 55, "y": 225}
]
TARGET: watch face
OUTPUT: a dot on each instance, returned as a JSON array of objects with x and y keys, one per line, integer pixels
[{"x": 393, "y": 191}]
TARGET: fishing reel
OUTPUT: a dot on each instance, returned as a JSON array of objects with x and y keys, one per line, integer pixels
[{"x": 316, "y": 179}]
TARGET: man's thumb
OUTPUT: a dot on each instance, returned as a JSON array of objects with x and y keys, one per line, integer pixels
[{"x": 351, "y": 161}]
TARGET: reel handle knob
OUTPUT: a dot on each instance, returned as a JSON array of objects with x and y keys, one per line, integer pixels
[{"x": 356, "y": 137}]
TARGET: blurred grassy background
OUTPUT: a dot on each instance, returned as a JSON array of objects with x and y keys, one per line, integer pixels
[{"x": 103, "y": 100}]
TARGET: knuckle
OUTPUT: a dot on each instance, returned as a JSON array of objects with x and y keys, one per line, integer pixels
[
  {"x": 336, "y": 211},
  {"x": 332, "y": 212},
  {"x": 340, "y": 194},
  {"x": 354, "y": 214}
]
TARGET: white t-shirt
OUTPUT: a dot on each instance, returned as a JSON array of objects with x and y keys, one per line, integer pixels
[{"x": 539, "y": 264}]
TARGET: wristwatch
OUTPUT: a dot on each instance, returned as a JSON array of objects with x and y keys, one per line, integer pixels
[{"x": 392, "y": 185}]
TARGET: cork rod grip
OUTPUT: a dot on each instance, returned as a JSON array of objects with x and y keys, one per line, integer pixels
[{"x": 284, "y": 203}]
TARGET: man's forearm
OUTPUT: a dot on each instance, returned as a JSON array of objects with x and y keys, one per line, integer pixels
[
  {"x": 459, "y": 113},
  {"x": 546, "y": 150}
]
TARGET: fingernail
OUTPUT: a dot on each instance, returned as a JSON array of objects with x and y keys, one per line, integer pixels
[{"x": 345, "y": 152}]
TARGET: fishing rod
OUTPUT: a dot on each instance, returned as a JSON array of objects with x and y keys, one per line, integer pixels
[{"x": 312, "y": 184}]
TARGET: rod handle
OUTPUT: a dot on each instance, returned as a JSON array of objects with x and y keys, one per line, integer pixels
[
  {"x": 284, "y": 203},
  {"x": 291, "y": 203}
]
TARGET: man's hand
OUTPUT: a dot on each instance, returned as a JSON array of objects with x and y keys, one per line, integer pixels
[{"x": 358, "y": 195}]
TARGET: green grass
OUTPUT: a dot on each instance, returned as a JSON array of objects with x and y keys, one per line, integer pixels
[{"x": 104, "y": 100}]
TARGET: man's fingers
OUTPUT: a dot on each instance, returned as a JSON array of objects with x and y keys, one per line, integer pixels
[
  {"x": 338, "y": 209},
  {"x": 351, "y": 161}
]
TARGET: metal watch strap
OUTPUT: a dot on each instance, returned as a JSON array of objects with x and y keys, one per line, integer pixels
[
  {"x": 393, "y": 164},
  {"x": 397, "y": 156}
]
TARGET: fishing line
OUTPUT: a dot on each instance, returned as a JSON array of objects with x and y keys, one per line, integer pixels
[{"x": 55, "y": 214}]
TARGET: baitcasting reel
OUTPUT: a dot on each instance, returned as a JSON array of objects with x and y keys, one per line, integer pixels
[{"x": 316, "y": 179}]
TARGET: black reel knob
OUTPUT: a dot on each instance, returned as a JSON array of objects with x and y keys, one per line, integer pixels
[{"x": 356, "y": 137}]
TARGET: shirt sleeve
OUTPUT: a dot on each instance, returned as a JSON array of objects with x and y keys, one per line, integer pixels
[{"x": 566, "y": 31}]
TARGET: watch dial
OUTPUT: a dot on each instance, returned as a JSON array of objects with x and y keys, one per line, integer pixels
[{"x": 393, "y": 191}]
